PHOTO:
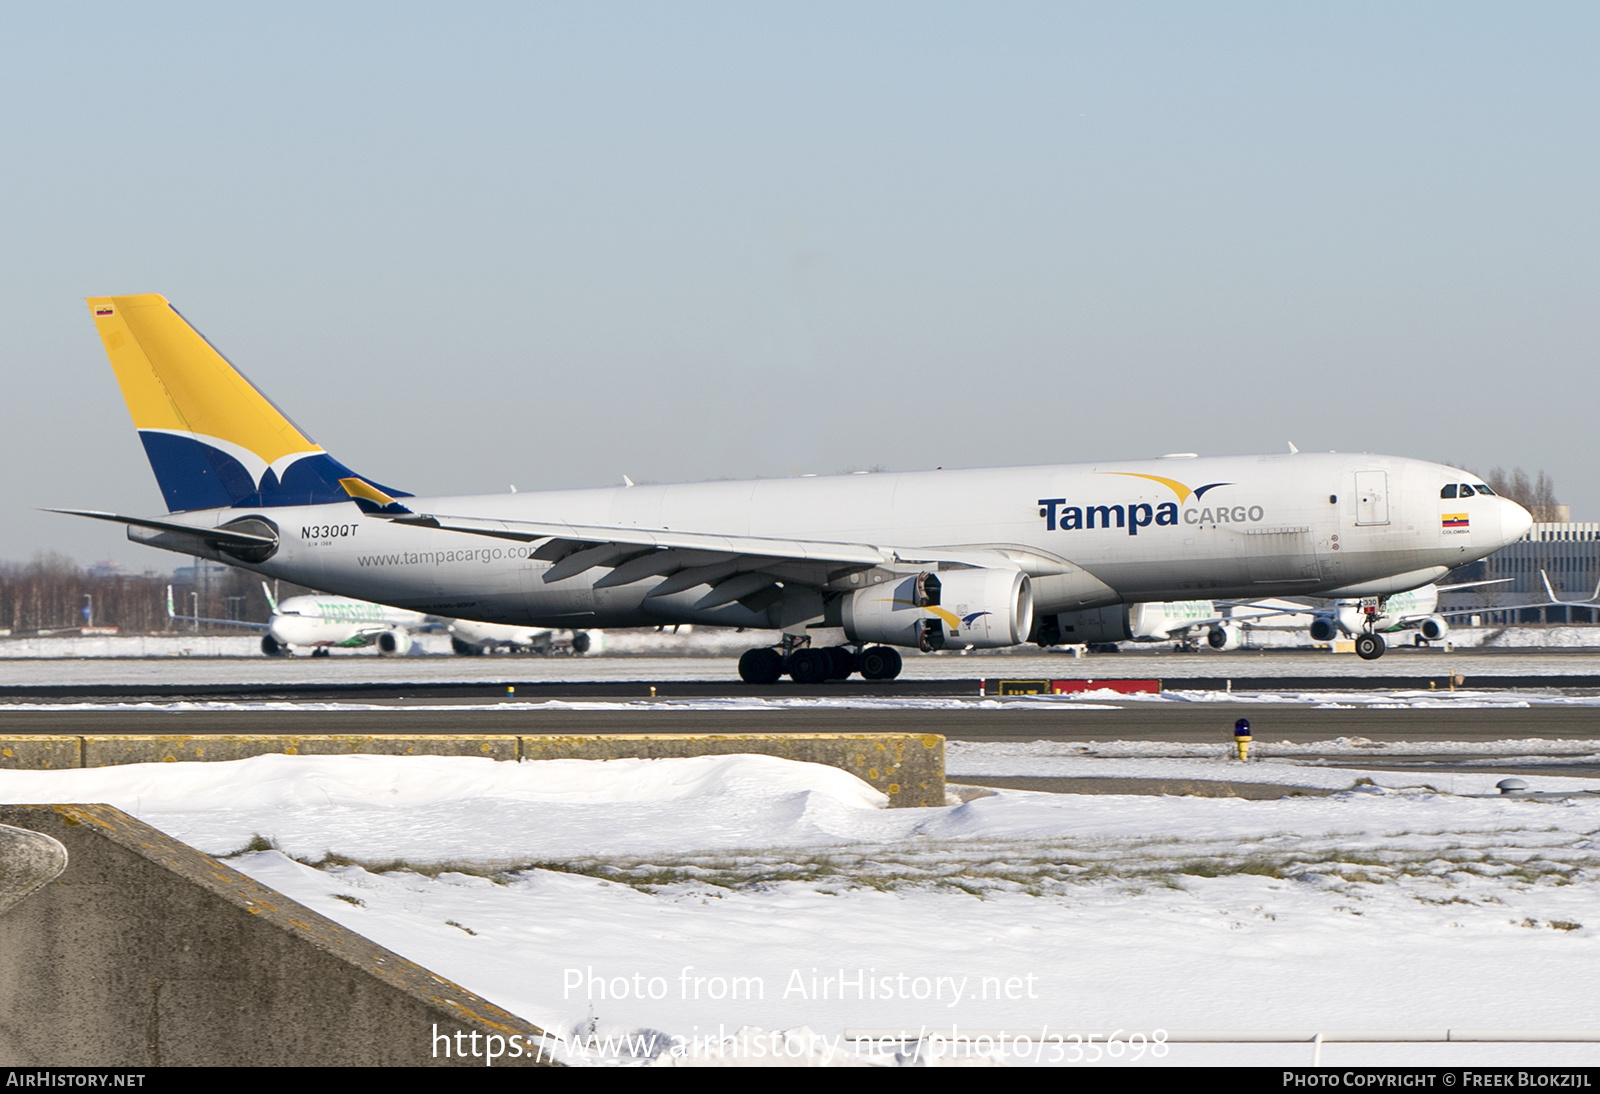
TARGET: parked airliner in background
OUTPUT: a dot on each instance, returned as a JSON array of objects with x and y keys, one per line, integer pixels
[
  {"x": 848, "y": 568},
  {"x": 1225, "y": 624},
  {"x": 319, "y": 623},
  {"x": 469, "y": 638}
]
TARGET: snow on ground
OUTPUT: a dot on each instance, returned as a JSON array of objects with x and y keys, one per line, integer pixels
[
  {"x": 693, "y": 898},
  {"x": 1100, "y": 699}
]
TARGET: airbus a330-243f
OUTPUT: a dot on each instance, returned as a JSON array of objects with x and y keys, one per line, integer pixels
[{"x": 848, "y": 568}]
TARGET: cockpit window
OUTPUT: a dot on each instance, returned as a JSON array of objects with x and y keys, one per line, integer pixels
[
  {"x": 1448, "y": 491},
  {"x": 1483, "y": 489}
]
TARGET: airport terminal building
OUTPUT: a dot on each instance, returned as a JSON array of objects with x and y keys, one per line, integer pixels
[{"x": 1569, "y": 553}]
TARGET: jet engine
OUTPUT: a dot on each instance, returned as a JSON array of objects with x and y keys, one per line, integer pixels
[
  {"x": 1324, "y": 628},
  {"x": 952, "y": 609},
  {"x": 394, "y": 642},
  {"x": 1224, "y": 636},
  {"x": 1433, "y": 628}
]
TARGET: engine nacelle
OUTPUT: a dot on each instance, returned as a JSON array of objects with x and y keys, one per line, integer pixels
[
  {"x": 394, "y": 642},
  {"x": 952, "y": 609},
  {"x": 1097, "y": 625},
  {"x": 1224, "y": 636},
  {"x": 1433, "y": 628},
  {"x": 1324, "y": 628}
]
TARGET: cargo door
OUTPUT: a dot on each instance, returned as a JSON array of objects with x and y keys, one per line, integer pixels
[{"x": 1372, "y": 497}]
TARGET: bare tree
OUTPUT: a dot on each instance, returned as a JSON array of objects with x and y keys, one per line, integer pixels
[{"x": 1536, "y": 495}]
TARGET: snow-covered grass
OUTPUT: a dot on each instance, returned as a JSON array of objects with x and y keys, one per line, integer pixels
[{"x": 686, "y": 899}]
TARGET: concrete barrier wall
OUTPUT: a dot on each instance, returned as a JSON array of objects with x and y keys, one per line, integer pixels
[
  {"x": 109, "y": 751},
  {"x": 145, "y": 952},
  {"x": 41, "y": 753},
  {"x": 908, "y": 767}
]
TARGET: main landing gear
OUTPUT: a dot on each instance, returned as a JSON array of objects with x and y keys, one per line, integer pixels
[{"x": 805, "y": 665}]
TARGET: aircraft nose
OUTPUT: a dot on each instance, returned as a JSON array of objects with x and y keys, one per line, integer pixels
[{"x": 1515, "y": 521}]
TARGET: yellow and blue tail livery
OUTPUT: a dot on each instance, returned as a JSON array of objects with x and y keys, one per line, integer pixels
[{"x": 213, "y": 440}]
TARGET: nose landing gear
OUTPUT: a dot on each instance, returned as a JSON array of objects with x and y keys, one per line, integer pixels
[{"x": 1369, "y": 644}]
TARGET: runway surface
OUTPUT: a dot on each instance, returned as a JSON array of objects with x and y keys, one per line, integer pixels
[
  {"x": 968, "y": 722},
  {"x": 171, "y": 675},
  {"x": 1300, "y": 697}
]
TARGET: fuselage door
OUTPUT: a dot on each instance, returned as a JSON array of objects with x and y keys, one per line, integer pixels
[{"x": 1372, "y": 497}]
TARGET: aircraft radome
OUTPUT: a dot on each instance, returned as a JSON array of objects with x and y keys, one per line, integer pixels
[{"x": 849, "y": 568}]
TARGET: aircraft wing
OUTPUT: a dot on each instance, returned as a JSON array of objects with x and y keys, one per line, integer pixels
[
  {"x": 1554, "y": 602},
  {"x": 737, "y": 567},
  {"x": 1557, "y": 601}
]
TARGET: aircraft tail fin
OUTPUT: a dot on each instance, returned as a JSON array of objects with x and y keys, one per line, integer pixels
[{"x": 213, "y": 440}]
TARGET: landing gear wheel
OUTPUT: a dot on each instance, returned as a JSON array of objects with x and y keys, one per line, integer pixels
[
  {"x": 809, "y": 666},
  {"x": 580, "y": 642},
  {"x": 1369, "y": 647},
  {"x": 1419, "y": 641},
  {"x": 320, "y": 651},
  {"x": 879, "y": 662},
  {"x": 762, "y": 666},
  {"x": 465, "y": 649},
  {"x": 844, "y": 662},
  {"x": 272, "y": 648}
]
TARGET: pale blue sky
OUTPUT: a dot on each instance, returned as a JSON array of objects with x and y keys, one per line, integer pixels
[{"x": 553, "y": 244}]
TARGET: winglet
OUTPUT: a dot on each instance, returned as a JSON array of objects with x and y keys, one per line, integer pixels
[{"x": 272, "y": 601}]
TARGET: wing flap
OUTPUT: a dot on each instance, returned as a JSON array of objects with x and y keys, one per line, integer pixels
[{"x": 583, "y": 536}]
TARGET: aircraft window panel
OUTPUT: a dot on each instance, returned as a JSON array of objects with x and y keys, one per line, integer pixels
[
  {"x": 1466, "y": 490},
  {"x": 1448, "y": 491},
  {"x": 1484, "y": 489}
]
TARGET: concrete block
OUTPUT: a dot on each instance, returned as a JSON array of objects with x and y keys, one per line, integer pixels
[
  {"x": 145, "y": 952},
  {"x": 28, "y": 861},
  {"x": 107, "y": 751},
  {"x": 41, "y": 753},
  {"x": 908, "y": 767}
]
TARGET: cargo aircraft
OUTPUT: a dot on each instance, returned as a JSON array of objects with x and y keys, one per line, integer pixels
[{"x": 850, "y": 569}]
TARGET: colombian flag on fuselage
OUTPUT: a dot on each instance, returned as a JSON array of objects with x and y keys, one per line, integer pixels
[{"x": 1454, "y": 520}]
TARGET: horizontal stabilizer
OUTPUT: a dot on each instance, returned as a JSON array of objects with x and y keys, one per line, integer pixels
[{"x": 214, "y": 535}]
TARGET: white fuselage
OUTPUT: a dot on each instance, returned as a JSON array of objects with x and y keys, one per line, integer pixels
[
  {"x": 314, "y": 621},
  {"x": 1159, "y": 530},
  {"x": 1165, "y": 620}
]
